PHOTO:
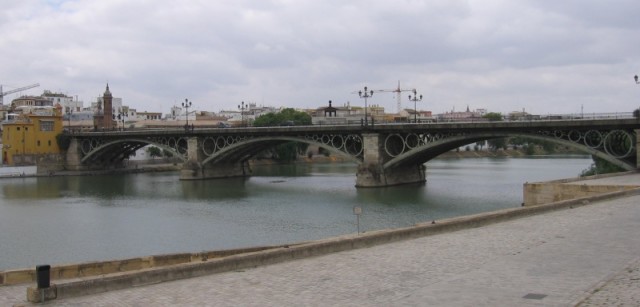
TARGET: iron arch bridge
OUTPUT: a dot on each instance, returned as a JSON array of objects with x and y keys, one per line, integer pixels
[{"x": 385, "y": 154}]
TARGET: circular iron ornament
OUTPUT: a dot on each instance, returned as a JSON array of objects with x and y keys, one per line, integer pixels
[
  {"x": 593, "y": 139},
  {"x": 428, "y": 138},
  {"x": 337, "y": 141},
  {"x": 230, "y": 140},
  {"x": 208, "y": 146},
  {"x": 182, "y": 146},
  {"x": 353, "y": 145},
  {"x": 94, "y": 144},
  {"x": 574, "y": 136},
  {"x": 221, "y": 142},
  {"x": 86, "y": 146},
  {"x": 171, "y": 143},
  {"x": 326, "y": 140},
  {"x": 394, "y": 145},
  {"x": 412, "y": 141},
  {"x": 558, "y": 134},
  {"x": 618, "y": 143}
]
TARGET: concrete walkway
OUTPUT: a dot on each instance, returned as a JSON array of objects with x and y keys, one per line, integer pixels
[{"x": 586, "y": 256}]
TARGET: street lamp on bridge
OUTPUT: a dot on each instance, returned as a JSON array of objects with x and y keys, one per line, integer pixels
[
  {"x": 69, "y": 113},
  {"x": 366, "y": 94},
  {"x": 242, "y": 107},
  {"x": 415, "y": 99},
  {"x": 186, "y": 104},
  {"x": 636, "y": 113}
]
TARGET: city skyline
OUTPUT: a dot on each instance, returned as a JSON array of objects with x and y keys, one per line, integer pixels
[{"x": 568, "y": 57}]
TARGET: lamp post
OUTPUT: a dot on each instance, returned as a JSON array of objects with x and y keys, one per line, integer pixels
[
  {"x": 636, "y": 112},
  {"x": 366, "y": 94},
  {"x": 186, "y": 104},
  {"x": 415, "y": 99},
  {"x": 69, "y": 113},
  {"x": 242, "y": 107}
]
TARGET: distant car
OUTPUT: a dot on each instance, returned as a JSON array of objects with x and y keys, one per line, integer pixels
[
  {"x": 288, "y": 123},
  {"x": 223, "y": 125}
]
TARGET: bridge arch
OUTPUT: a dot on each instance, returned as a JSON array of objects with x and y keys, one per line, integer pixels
[
  {"x": 244, "y": 149},
  {"x": 119, "y": 149},
  {"x": 605, "y": 148}
]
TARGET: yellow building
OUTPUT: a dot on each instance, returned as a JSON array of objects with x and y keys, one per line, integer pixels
[{"x": 31, "y": 134}]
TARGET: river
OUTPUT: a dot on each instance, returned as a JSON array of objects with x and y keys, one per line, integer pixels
[{"x": 57, "y": 220}]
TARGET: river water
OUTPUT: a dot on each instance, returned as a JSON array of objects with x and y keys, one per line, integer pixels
[{"x": 57, "y": 220}]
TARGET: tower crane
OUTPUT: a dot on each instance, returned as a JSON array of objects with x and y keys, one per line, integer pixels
[
  {"x": 398, "y": 92},
  {"x": 2, "y": 94}
]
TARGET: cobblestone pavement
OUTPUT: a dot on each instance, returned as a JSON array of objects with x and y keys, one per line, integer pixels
[{"x": 587, "y": 256}]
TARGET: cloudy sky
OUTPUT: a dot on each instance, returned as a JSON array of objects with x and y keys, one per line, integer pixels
[{"x": 546, "y": 56}]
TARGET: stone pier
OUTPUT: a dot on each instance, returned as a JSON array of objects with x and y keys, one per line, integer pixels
[{"x": 371, "y": 173}]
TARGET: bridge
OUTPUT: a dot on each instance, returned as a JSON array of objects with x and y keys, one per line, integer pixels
[{"x": 389, "y": 154}]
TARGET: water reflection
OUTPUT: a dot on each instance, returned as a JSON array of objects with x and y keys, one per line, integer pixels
[{"x": 71, "y": 219}]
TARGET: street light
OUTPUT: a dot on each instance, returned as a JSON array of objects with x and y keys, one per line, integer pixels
[
  {"x": 242, "y": 107},
  {"x": 186, "y": 104},
  {"x": 69, "y": 113},
  {"x": 636, "y": 112},
  {"x": 365, "y": 95},
  {"x": 415, "y": 99}
]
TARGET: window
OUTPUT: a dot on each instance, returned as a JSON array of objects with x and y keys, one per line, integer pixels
[
  {"x": 46, "y": 125},
  {"x": 38, "y": 143}
]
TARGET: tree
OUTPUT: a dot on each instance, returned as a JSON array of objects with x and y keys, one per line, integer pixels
[
  {"x": 636, "y": 113},
  {"x": 277, "y": 119},
  {"x": 154, "y": 152},
  {"x": 495, "y": 144},
  {"x": 286, "y": 152},
  {"x": 600, "y": 166},
  {"x": 493, "y": 116}
]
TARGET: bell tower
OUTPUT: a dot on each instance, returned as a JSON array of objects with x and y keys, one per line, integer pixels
[{"x": 107, "y": 100}]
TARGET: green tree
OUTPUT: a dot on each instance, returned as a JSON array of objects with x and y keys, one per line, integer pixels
[
  {"x": 277, "y": 119},
  {"x": 166, "y": 153},
  {"x": 286, "y": 152},
  {"x": 495, "y": 144},
  {"x": 636, "y": 113},
  {"x": 493, "y": 116},
  {"x": 600, "y": 166},
  {"x": 154, "y": 152}
]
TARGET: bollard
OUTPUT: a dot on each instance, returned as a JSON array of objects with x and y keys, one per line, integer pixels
[{"x": 43, "y": 276}]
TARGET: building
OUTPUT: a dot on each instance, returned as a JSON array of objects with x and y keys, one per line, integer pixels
[
  {"x": 30, "y": 135},
  {"x": 463, "y": 116},
  {"x": 103, "y": 117},
  {"x": 31, "y": 101},
  {"x": 69, "y": 105}
]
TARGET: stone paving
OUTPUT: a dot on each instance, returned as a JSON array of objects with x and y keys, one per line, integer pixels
[{"x": 586, "y": 256}]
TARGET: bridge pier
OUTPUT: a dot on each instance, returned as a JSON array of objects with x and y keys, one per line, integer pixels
[
  {"x": 193, "y": 169},
  {"x": 637, "y": 131},
  {"x": 371, "y": 173},
  {"x": 73, "y": 159}
]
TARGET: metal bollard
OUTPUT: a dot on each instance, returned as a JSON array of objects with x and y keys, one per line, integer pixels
[{"x": 43, "y": 276}]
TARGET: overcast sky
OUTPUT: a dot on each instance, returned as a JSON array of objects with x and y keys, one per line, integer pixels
[{"x": 545, "y": 56}]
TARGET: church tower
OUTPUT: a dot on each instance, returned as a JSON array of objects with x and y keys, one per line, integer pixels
[{"x": 107, "y": 100}]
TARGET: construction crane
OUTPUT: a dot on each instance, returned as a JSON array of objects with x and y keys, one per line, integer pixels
[
  {"x": 2, "y": 94},
  {"x": 398, "y": 92}
]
